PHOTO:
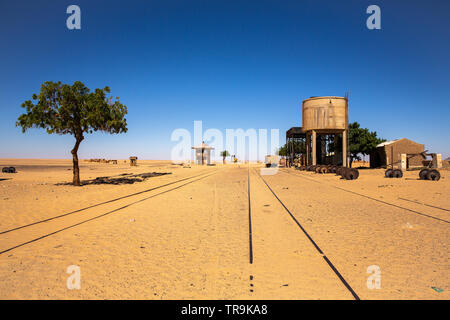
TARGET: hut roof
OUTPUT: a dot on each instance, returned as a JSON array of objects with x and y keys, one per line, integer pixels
[{"x": 202, "y": 146}]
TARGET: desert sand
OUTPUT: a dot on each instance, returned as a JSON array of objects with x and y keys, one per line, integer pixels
[{"x": 190, "y": 234}]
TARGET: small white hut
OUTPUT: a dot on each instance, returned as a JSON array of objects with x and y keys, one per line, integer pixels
[{"x": 203, "y": 153}]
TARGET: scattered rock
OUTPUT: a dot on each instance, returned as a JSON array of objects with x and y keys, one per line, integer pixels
[{"x": 407, "y": 226}]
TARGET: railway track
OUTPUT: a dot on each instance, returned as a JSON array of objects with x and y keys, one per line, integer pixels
[
  {"x": 250, "y": 220},
  {"x": 316, "y": 246},
  {"x": 32, "y": 236},
  {"x": 374, "y": 199},
  {"x": 98, "y": 204},
  {"x": 424, "y": 204}
]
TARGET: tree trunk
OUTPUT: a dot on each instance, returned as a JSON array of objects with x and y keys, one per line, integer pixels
[
  {"x": 223, "y": 160},
  {"x": 76, "y": 169}
]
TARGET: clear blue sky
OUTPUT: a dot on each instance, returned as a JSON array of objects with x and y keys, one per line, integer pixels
[{"x": 231, "y": 64}]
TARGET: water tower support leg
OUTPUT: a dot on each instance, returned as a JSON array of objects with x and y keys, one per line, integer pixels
[
  {"x": 314, "y": 148},
  {"x": 344, "y": 148},
  {"x": 308, "y": 151}
]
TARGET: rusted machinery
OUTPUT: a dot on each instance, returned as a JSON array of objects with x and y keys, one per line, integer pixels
[
  {"x": 344, "y": 172},
  {"x": 393, "y": 173},
  {"x": 9, "y": 170},
  {"x": 428, "y": 172}
]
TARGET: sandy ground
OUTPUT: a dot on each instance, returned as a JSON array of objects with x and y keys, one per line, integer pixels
[{"x": 186, "y": 235}]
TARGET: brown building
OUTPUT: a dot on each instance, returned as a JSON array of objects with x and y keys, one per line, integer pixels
[{"x": 390, "y": 152}]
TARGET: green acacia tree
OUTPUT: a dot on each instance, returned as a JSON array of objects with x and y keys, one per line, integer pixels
[
  {"x": 361, "y": 141},
  {"x": 296, "y": 146},
  {"x": 75, "y": 110},
  {"x": 282, "y": 151},
  {"x": 224, "y": 154}
]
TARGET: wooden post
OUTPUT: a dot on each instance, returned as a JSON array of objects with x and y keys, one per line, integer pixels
[
  {"x": 403, "y": 161},
  {"x": 308, "y": 147},
  {"x": 344, "y": 148},
  {"x": 291, "y": 158},
  {"x": 392, "y": 157},
  {"x": 314, "y": 148},
  {"x": 336, "y": 149},
  {"x": 436, "y": 160}
]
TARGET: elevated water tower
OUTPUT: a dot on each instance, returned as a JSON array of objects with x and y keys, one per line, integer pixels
[{"x": 325, "y": 123}]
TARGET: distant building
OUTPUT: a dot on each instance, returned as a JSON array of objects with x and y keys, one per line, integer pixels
[
  {"x": 203, "y": 154},
  {"x": 390, "y": 152},
  {"x": 133, "y": 161}
]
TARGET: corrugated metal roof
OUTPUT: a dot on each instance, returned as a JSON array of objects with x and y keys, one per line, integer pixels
[{"x": 386, "y": 143}]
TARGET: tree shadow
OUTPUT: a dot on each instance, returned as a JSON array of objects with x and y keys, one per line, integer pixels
[{"x": 123, "y": 179}]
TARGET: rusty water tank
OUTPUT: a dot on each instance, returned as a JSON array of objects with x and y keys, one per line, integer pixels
[{"x": 325, "y": 113}]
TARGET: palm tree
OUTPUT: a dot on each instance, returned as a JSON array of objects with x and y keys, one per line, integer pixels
[{"x": 224, "y": 154}]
